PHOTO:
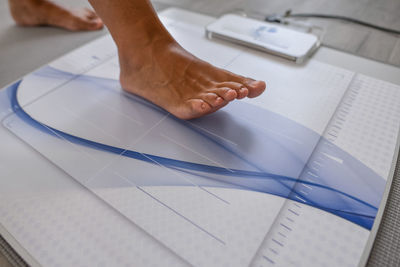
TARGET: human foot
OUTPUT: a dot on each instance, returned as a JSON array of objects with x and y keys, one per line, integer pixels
[
  {"x": 43, "y": 12},
  {"x": 154, "y": 66},
  {"x": 170, "y": 77}
]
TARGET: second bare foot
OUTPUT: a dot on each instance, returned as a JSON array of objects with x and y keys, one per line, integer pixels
[{"x": 46, "y": 13}]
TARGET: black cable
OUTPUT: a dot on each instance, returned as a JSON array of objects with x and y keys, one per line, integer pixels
[{"x": 288, "y": 13}]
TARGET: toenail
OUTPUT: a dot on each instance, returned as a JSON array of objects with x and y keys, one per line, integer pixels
[{"x": 253, "y": 83}]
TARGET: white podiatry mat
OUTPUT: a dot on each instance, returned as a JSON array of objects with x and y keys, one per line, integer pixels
[{"x": 94, "y": 176}]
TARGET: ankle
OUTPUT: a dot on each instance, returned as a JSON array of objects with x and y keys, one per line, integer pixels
[{"x": 138, "y": 54}]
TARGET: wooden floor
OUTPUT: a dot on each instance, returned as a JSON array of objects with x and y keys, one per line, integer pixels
[{"x": 352, "y": 38}]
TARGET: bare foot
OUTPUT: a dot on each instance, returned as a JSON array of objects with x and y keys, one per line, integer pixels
[
  {"x": 43, "y": 12},
  {"x": 172, "y": 78},
  {"x": 154, "y": 66}
]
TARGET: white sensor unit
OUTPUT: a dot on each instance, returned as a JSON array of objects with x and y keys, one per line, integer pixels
[{"x": 268, "y": 37}]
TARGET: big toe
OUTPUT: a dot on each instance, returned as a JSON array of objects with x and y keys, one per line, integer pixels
[
  {"x": 256, "y": 88},
  {"x": 85, "y": 20},
  {"x": 89, "y": 24}
]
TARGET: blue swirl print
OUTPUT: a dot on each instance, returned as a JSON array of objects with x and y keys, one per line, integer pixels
[{"x": 270, "y": 154}]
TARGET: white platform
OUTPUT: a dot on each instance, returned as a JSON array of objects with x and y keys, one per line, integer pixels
[{"x": 53, "y": 219}]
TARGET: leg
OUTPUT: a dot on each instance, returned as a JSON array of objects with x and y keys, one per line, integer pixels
[
  {"x": 44, "y": 12},
  {"x": 154, "y": 66}
]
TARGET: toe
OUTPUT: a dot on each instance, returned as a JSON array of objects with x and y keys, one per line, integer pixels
[
  {"x": 85, "y": 20},
  {"x": 243, "y": 92},
  {"x": 228, "y": 94},
  {"x": 90, "y": 24},
  {"x": 240, "y": 89},
  {"x": 255, "y": 88},
  {"x": 90, "y": 14},
  {"x": 213, "y": 99}
]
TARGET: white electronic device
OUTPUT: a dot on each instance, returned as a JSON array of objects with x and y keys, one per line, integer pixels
[{"x": 268, "y": 37}]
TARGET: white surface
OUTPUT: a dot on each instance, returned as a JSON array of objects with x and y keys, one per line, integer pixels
[
  {"x": 264, "y": 36},
  {"x": 349, "y": 242}
]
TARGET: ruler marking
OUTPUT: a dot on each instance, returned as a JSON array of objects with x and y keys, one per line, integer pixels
[
  {"x": 277, "y": 242},
  {"x": 268, "y": 259},
  {"x": 285, "y": 226}
]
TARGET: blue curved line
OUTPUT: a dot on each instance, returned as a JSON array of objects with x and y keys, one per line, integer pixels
[
  {"x": 331, "y": 210},
  {"x": 363, "y": 220},
  {"x": 351, "y": 216},
  {"x": 179, "y": 164},
  {"x": 260, "y": 175}
]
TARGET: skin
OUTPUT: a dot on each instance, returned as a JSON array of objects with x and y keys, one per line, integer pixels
[
  {"x": 45, "y": 13},
  {"x": 153, "y": 65}
]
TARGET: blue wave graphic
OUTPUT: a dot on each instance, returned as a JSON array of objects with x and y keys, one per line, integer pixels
[{"x": 271, "y": 154}]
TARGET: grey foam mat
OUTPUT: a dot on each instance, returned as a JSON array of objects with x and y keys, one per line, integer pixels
[
  {"x": 10, "y": 255},
  {"x": 386, "y": 248}
]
